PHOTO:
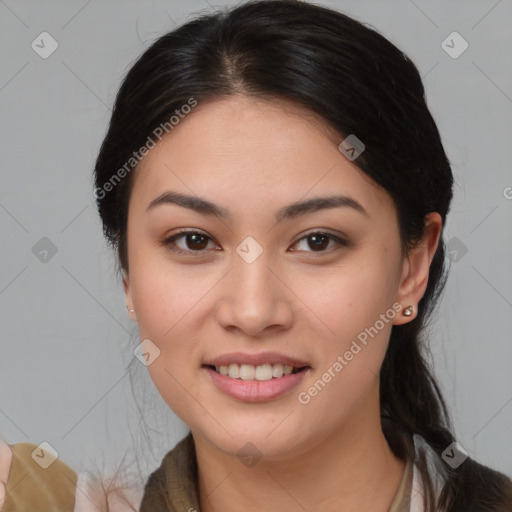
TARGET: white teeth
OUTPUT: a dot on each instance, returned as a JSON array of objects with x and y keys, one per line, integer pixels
[
  {"x": 264, "y": 372},
  {"x": 247, "y": 371},
  {"x": 234, "y": 371},
  {"x": 277, "y": 370},
  {"x": 251, "y": 372}
]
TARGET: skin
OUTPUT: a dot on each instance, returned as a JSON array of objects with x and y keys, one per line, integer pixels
[
  {"x": 252, "y": 158},
  {"x": 5, "y": 468}
]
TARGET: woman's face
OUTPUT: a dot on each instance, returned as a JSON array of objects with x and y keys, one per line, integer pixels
[{"x": 264, "y": 283}]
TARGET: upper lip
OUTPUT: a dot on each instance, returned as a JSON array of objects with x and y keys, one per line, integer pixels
[{"x": 255, "y": 359}]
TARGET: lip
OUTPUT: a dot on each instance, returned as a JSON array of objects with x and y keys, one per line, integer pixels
[
  {"x": 255, "y": 359},
  {"x": 255, "y": 390}
]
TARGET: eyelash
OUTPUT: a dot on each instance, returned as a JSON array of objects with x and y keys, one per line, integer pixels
[{"x": 169, "y": 241}]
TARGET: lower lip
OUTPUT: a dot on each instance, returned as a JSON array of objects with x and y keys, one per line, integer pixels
[{"x": 256, "y": 390}]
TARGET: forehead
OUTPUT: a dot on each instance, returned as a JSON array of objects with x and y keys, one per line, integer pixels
[{"x": 253, "y": 152}]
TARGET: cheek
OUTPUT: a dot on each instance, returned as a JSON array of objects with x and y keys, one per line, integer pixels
[
  {"x": 168, "y": 306},
  {"x": 170, "y": 303},
  {"x": 344, "y": 385},
  {"x": 353, "y": 308},
  {"x": 164, "y": 294},
  {"x": 165, "y": 305},
  {"x": 349, "y": 297}
]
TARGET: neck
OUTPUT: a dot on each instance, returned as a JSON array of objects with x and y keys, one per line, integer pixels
[{"x": 352, "y": 469}]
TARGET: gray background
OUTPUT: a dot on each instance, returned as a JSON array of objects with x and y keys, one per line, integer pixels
[{"x": 65, "y": 338}]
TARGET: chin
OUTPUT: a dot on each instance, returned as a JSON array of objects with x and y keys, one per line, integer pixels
[{"x": 265, "y": 440}]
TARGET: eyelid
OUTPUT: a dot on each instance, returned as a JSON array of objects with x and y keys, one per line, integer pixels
[
  {"x": 169, "y": 240},
  {"x": 323, "y": 231},
  {"x": 340, "y": 240}
]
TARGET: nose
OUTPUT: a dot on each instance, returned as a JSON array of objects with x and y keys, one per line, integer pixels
[{"x": 255, "y": 298}]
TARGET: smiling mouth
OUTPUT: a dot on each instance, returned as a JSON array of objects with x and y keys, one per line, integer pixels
[{"x": 261, "y": 372}]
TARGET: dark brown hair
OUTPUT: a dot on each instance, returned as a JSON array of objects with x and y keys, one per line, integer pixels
[{"x": 359, "y": 83}]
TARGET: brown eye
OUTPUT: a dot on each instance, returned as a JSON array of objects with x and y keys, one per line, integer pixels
[
  {"x": 193, "y": 241},
  {"x": 318, "y": 241},
  {"x": 197, "y": 242}
]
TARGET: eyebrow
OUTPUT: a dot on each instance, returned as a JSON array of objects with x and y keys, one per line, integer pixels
[{"x": 205, "y": 207}]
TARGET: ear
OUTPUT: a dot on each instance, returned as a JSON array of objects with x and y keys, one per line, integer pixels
[
  {"x": 416, "y": 266},
  {"x": 128, "y": 295}
]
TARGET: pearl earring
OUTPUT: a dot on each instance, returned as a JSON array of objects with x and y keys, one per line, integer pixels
[
  {"x": 129, "y": 310},
  {"x": 408, "y": 311}
]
